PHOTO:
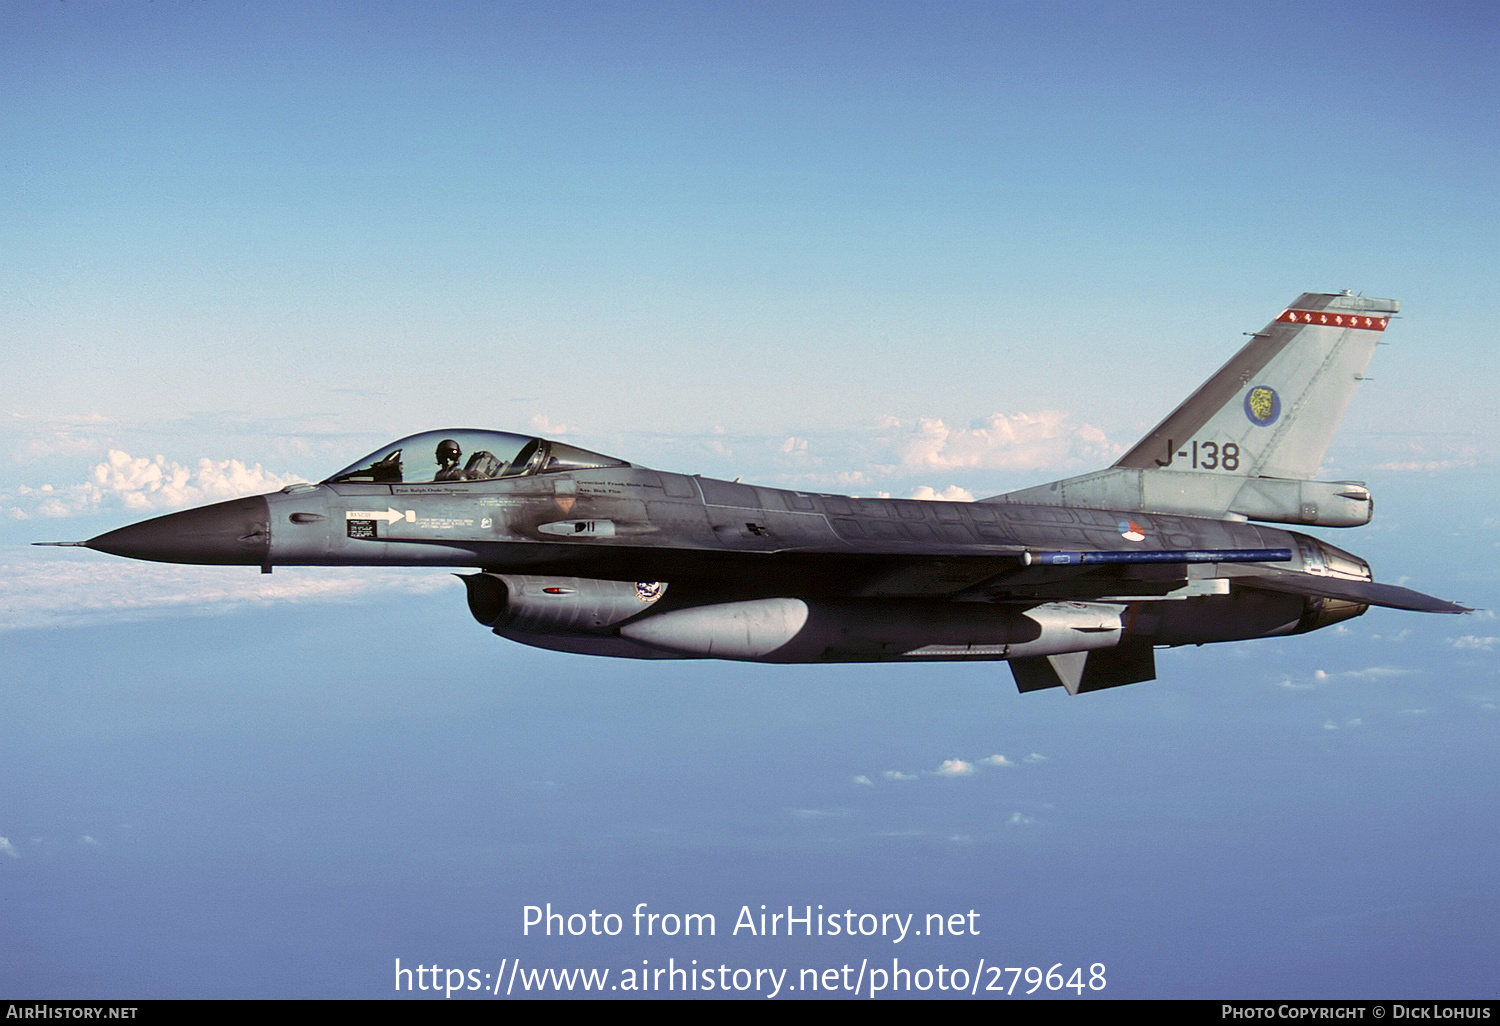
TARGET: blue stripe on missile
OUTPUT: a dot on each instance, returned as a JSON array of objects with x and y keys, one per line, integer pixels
[{"x": 1167, "y": 556}]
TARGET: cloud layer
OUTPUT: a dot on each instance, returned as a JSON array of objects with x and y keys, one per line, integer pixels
[
  {"x": 1018, "y": 441},
  {"x": 39, "y": 588},
  {"x": 147, "y": 485},
  {"x": 951, "y": 768}
]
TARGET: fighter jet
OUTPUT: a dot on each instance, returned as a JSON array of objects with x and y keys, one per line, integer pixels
[{"x": 1076, "y": 583}]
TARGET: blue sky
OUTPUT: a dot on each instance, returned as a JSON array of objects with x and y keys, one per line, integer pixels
[{"x": 905, "y": 249}]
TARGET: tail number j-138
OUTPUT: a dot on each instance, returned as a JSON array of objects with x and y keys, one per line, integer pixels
[{"x": 1204, "y": 455}]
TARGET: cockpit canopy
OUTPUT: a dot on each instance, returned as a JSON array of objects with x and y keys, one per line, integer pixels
[{"x": 466, "y": 454}]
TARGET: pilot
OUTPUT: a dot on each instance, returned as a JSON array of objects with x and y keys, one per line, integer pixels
[{"x": 448, "y": 455}]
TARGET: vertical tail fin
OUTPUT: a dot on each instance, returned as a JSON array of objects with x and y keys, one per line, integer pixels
[
  {"x": 1249, "y": 441},
  {"x": 1273, "y": 409}
]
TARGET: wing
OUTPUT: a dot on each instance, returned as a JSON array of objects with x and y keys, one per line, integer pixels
[
  {"x": 1085, "y": 575},
  {"x": 995, "y": 573}
]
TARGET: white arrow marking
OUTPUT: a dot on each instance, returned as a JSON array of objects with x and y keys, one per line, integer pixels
[{"x": 390, "y": 516}]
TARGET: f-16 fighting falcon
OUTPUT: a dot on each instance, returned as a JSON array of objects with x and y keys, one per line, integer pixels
[{"x": 1076, "y": 583}]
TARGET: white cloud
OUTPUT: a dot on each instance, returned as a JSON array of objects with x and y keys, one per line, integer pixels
[
  {"x": 153, "y": 485},
  {"x": 1020, "y": 819},
  {"x": 6, "y": 848},
  {"x": 1474, "y": 643},
  {"x": 955, "y": 768},
  {"x": 953, "y": 493},
  {"x": 901, "y": 457},
  {"x": 1376, "y": 673},
  {"x": 543, "y": 425},
  {"x": 1019, "y": 441},
  {"x": 864, "y": 781},
  {"x": 818, "y": 813},
  {"x": 1321, "y": 677}
]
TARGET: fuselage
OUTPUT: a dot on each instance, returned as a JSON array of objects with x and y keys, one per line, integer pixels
[{"x": 867, "y": 578}]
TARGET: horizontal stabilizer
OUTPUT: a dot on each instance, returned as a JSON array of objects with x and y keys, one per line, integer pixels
[{"x": 1368, "y": 592}]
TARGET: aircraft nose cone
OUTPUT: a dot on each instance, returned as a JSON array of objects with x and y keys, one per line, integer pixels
[{"x": 235, "y": 533}]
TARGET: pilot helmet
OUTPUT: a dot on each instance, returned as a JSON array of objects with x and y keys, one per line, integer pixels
[{"x": 448, "y": 451}]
